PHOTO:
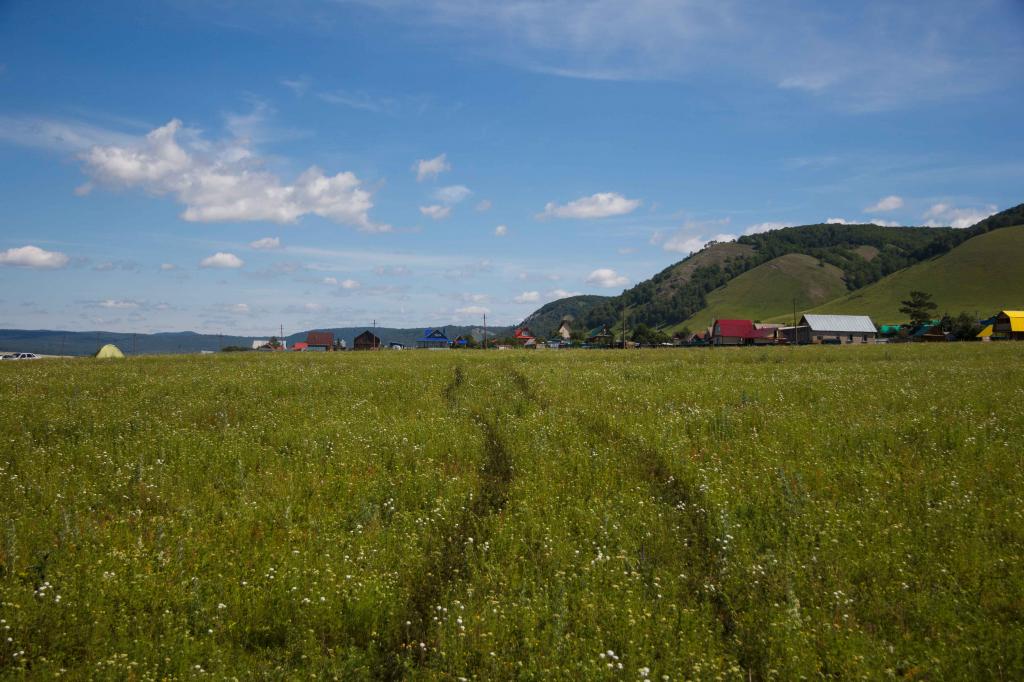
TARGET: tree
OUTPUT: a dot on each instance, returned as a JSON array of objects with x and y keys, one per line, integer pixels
[
  {"x": 965, "y": 327},
  {"x": 919, "y": 307},
  {"x": 274, "y": 342}
]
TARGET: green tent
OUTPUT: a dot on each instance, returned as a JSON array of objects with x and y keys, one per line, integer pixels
[{"x": 109, "y": 351}]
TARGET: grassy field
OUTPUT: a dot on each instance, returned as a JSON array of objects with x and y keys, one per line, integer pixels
[
  {"x": 770, "y": 290},
  {"x": 692, "y": 514}
]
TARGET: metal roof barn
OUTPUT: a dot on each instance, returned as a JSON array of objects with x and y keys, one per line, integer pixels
[{"x": 843, "y": 324}]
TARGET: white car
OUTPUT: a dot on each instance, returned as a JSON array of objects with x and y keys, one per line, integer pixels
[{"x": 20, "y": 356}]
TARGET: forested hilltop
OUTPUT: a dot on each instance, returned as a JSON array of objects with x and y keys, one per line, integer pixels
[{"x": 863, "y": 253}]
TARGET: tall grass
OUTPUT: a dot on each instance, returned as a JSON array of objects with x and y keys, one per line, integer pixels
[{"x": 755, "y": 514}]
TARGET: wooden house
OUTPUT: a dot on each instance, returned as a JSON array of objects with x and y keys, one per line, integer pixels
[
  {"x": 1009, "y": 324},
  {"x": 320, "y": 341},
  {"x": 599, "y": 336},
  {"x": 366, "y": 341},
  {"x": 564, "y": 330}
]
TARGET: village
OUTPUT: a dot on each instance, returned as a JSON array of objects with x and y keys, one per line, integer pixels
[{"x": 811, "y": 329}]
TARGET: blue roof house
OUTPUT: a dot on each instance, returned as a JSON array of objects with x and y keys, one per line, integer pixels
[{"x": 434, "y": 339}]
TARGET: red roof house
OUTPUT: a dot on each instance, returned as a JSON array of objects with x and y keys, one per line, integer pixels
[{"x": 738, "y": 333}]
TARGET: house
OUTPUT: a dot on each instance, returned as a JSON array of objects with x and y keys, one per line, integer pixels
[
  {"x": 843, "y": 329},
  {"x": 265, "y": 346},
  {"x": 300, "y": 346},
  {"x": 1009, "y": 324},
  {"x": 738, "y": 333},
  {"x": 320, "y": 341},
  {"x": 434, "y": 339},
  {"x": 697, "y": 339},
  {"x": 366, "y": 341},
  {"x": 599, "y": 336},
  {"x": 523, "y": 336},
  {"x": 564, "y": 330},
  {"x": 931, "y": 333}
]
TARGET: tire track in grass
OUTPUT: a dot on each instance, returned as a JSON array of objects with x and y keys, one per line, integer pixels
[
  {"x": 446, "y": 562},
  {"x": 705, "y": 559}
]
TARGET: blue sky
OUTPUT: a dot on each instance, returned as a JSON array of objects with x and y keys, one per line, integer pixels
[{"x": 236, "y": 166}]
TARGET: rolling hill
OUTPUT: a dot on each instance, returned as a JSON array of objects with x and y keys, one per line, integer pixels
[
  {"x": 983, "y": 275},
  {"x": 770, "y": 289},
  {"x": 759, "y": 276}
]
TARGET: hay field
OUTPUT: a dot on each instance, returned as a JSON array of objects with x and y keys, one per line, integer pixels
[{"x": 693, "y": 514}]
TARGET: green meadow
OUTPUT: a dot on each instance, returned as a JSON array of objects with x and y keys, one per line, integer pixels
[{"x": 745, "y": 514}]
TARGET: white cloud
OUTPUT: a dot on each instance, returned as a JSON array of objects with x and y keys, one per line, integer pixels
[
  {"x": 765, "y": 227},
  {"x": 431, "y": 168},
  {"x": 528, "y": 297},
  {"x": 222, "y": 260},
  {"x": 33, "y": 257},
  {"x": 361, "y": 101},
  {"x": 681, "y": 243},
  {"x": 473, "y": 310},
  {"x": 113, "y": 304},
  {"x": 839, "y": 221},
  {"x": 600, "y": 205},
  {"x": 168, "y": 266},
  {"x": 266, "y": 244},
  {"x": 885, "y": 223},
  {"x": 484, "y": 205},
  {"x": 808, "y": 82},
  {"x": 849, "y": 58},
  {"x": 476, "y": 298},
  {"x": 556, "y": 294},
  {"x": 219, "y": 182},
  {"x": 436, "y": 211},
  {"x": 501, "y": 230},
  {"x": 452, "y": 194},
  {"x": 607, "y": 278},
  {"x": 297, "y": 85},
  {"x": 349, "y": 284},
  {"x": 889, "y": 203},
  {"x": 59, "y": 136},
  {"x": 625, "y": 250},
  {"x": 944, "y": 214},
  {"x": 313, "y": 307},
  {"x": 238, "y": 308}
]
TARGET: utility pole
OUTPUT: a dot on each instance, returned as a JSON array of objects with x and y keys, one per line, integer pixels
[
  {"x": 485, "y": 331},
  {"x": 623, "y": 326},
  {"x": 795, "y": 332}
]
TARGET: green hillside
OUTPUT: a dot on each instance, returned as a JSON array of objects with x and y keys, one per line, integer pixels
[
  {"x": 758, "y": 276},
  {"x": 770, "y": 289},
  {"x": 984, "y": 274},
  {"x": 544, "y": 321}
]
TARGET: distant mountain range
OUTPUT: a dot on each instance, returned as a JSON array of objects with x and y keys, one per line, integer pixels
[
  {"x": 865, "y": 269},
  {"x": 51, "y": 342}
]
